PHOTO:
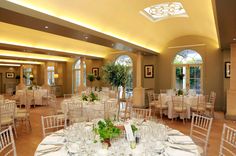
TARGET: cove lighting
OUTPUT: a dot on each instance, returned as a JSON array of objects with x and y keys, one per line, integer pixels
[
  {"x": 164, "y": 10},
  {"x": 14, "y": 65},
  {"x": 8, "y": 53},
  {"x": 19, "y": 61}
]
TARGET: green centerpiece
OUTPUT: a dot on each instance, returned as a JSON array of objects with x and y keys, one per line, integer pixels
[
  {"x": 106, "y": 131},
  {"x": 90, "y": 97}
]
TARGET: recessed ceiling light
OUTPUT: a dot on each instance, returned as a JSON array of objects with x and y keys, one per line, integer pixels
[
  {"x": 46, "y": 27},
  {"x": 234, "y": 39},
  {"x": 86, "y": 37}
]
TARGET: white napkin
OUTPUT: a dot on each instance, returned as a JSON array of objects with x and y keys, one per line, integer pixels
[
  {"x": 52, "y": 140},
  {"x": 174, "y": 132},
  {"x": 177, "y": 152},
  {"x": 180, "y": 139}
]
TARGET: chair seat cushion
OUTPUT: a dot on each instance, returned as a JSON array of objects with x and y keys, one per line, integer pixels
[
  {"x": 18, "y": 110},
  {"x": 209, "y": 106},
  {"x": 153, "y": 103},
  {"x": 6, "y": 121},
  {"x": 180, "y": 109},
  {"x": 195, "y": 108},
  {"x": 21, "y": 115},
  {"x": 163, "y": 106}
]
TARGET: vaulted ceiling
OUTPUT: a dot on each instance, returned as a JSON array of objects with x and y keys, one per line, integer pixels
[{"x": 118, "y": 24}]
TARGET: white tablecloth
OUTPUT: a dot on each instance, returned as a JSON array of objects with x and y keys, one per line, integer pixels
[
  {"x": 94, "y": 109},
  {"x": 188, "y": 100},
  {"x": 57, "y": 144}
]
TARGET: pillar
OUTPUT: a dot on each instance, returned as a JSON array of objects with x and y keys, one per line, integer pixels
[
  {"x": 81, "y": 86},
  {"x": 21, "y": 84},
  {"x": 139, "y": 91},
  {"x": 45, "y": 76},
  {"x": 231, "y": 93}
]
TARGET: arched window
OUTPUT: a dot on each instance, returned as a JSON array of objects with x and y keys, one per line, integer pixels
[
  {"x": 188, "y": 70},
  {"x": 127, "y": 61},
  {"x": 77, "y": 76}
]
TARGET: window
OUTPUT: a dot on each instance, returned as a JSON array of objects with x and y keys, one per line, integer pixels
[
  {"x": 27, "y": 72},
  {"x": 127, "y": 61},
  {"x": 51, "y": 72},
  {"x": 77, "y": 72},
  {"x": 188, "y": 70}
]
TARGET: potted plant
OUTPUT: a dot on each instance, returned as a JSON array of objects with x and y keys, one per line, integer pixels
[
  {"x": 106, "y": 131},
  {"x": 91, "y": 78},
  {"x": 116, "y": 74}
]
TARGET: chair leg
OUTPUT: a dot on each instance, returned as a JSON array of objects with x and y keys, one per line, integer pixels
[{"x": 14, "y": 126}]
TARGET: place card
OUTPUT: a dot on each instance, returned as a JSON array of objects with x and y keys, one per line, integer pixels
[{"x": 129, "y": 132}]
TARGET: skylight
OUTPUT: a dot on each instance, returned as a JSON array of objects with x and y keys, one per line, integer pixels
[{"x": 164, "y": 10}]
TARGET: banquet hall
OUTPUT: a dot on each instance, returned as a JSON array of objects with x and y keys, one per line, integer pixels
[{"x": 122, "y": 78}]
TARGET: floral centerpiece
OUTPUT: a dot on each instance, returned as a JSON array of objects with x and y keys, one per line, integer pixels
[
  {"x": 89, "y": 97},
  {"x": 106, "y": 131}
]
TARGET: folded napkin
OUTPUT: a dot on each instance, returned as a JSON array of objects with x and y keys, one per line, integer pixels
[
  {"x": 52, "y": 140},
  {"x": 180, "y": 139},
  {"x": 178, "y": 152},
  {"x": 174, "y": 132}
]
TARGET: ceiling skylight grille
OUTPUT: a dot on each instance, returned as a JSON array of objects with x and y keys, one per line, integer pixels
[{"x": 164, "y": 10}]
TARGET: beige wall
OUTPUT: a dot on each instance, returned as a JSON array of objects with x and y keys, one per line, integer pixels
[
  {"x": 94, "y": 63},
  {"x": 212, "y": 65},
  {"x": 6, "y": 82},
  {"x": 150, "y": 82},
  {"x": 226, "y": 58}
]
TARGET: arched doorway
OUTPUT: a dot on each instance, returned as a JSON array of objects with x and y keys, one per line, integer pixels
[
  {"x": 188, "y": 71},
  {"x": 77, "y": 75},
  {"x": 127, "y": 61}
]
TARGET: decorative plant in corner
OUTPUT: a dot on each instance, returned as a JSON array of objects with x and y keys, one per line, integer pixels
[
  {"x": 106, "y": 131},
  {"x": 91, "y": 78}
]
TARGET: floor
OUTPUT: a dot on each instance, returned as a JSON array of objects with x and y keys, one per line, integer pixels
[{"x": 27, "y": 142}]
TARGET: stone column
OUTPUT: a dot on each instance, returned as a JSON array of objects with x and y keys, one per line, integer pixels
[
  {"x": 81, "y": 86},
  {"x": 139, "y": 91},
  {"x": 231, "y": 93},
  {"x": 21, "y": 84}
]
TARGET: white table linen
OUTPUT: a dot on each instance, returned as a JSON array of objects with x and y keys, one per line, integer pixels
[
  {"x": 83, "y": 143},
  {"x": 188, "y": 100}
]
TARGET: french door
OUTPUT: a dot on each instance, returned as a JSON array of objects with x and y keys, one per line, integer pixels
[{"x": 188, "y": 77}]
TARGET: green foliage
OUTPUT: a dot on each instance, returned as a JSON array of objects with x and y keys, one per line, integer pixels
[
  {"x": 98, "y": 78},
  {"x": 84, "y": 97},
  {"x": 180, "y": 92},
  {"x": 91, "y": 77},
  {"x": 134, "y": 128},
  {"x": 91, "y": 97},
  {"x": 107, "y": 130},
  {"x": 116, "y": 74}
]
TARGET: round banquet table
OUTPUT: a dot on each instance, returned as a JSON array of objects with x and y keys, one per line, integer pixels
[
  {"x": 78, "y": 140},
  {"x": 188, "y": 100},
  {"x": 93, "y": 109}
]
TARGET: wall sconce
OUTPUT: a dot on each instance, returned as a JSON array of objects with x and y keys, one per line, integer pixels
[
  {"x": 31, "y": 75},
  {"x": 56, "y": 76}
]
